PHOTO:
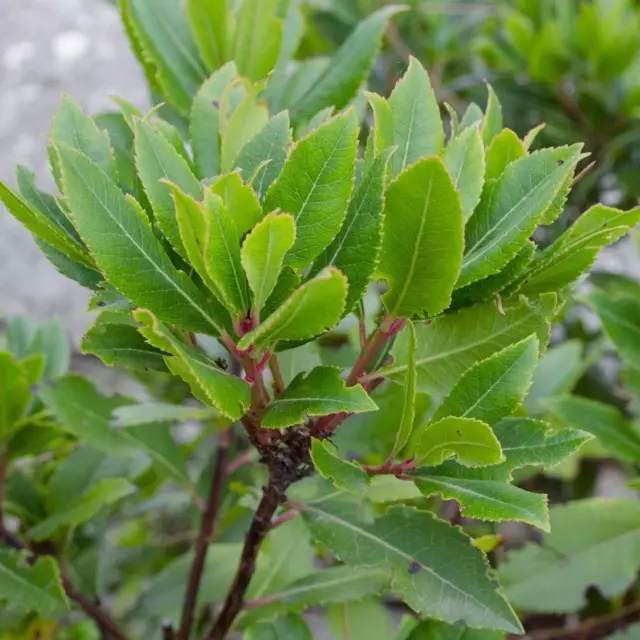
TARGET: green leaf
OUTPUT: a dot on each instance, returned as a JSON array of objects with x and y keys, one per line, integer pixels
[
  {"x": 345, "y": 475},
  {"x": 382, "y": 137},
  {"x": 487, "y": 499},
  {"x": 137, "y": 414},
  {"x": 73, "y": 127},
  {"x": 162, "y": 39},
  {"x": 416, "y": 118},
  {"x": 593, "y": 543},
  {"x": 204, "y": 121},
  {"x": 422, "y": 207},
  {"x": 208, "y": 21},
  {"x": 464, "y": 159},
  {"x": 19, "y": 336},
  {"x": 263, "y": 253},
  {"x": 435, "y": 630},
  {"x": 617, "y": 435},
  {"x": 258, "y": 37},
  {"x": 348, "y": 68},
  {"x": 226, "y": 393},
  {"x": 14, "y": 394},
  {"x": 471, "y": 441},
  {"x": 492, "y": 121},
  {"x": 322, "y": 392},
  {"x": 240, "y": 199},
  {"x": 492, "y": 389},
  {"x": 100, "y": 495},
  {"x": 315, "y": 186},
  {"x": 114, "y": 339},
  {"x": 451, "y": 344},
  {"x": 369, "y": 617},
  {"x": 620, "y": 318},
  {"x": 69, "y": 268},
  {"x": 127, "y": 252},
  {"x": 289, "y": 626},
  {"x": 248, "y": 119},
  {"x": 509, "y": 212},
  {"x": 356, "y": 248},
  {"x": 222, "y": 255},
  {"x": 158, "y": 162},
  {"x": 31, "y": 586},
  {"x": 427, "y": 577},
  {"x": 504, "y": 149},
  {"x": 261, "y": 160},
  {"x": 408, "y": 414},
  {"x": 314, "y": 308},
  {"x": 472, "y": 115}
]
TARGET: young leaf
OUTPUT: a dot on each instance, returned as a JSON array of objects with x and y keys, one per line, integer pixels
[
  {"x": 101, "y": 494},
  {"x": 416, "y": 118},
  {"x": 261, "y": 160},
  {"x": 356, "y": 248},
  {"x": 320, "y": 393},
  {"x": 504, "y": 149},
  {"x": 128, "y": 253},
  {"x": 312, "y": 309},
  {"x": 134, "y": 415},
  {"x": 451, "y": 344},
  {"x": 408, "y": 408},
  {"x": 263, "y": 252},
  {"x": 288, "y": 626},
  {"x": 487, "y": 499},
  {"x": 471, "y": 441},
  {"x": 14, "y": 394},
  {"x": 222, "y": 255},
  {"x": 605, "y": 422},
  {"x": 159, "y": 162},
  {"x": 258, "y": 37},
  {"x": 88, "y": 277},
  {"x": 426, "y": 577},
  {"x": 492, "y": 121},
  {"x": 208, "y": 21},
  {"x": 348, "y": 68},
  {"x": 464, "y": 159},
  {"x": 31, "y": 587},
  {"x": 227, "y": 394},
  {"x": 382, "y": 136},
  {"x": 491, "y": 389},
  {"x": 315, "y": 186},
  {"x": 345, "y": 475},
  {"x": 509, "y": 212},
  {"x": 597, "y": 541},
  {"x": 240, "y": 199},
  {"x": 204, "y": 121},
  {"x": 472, "y": 115},
  {"x": 422, "y": 209}
]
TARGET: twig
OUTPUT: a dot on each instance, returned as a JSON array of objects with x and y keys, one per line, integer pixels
[
  {"x": 391, "y": 468},
  {"x": 272, "y": 496},
  {"x": 241, "y": 460},
  {"x": 385, "y": 330},
  {"x": 276, "y": 372},
  {"x": 167, "y": 631},
  {"x": 285, "y": 517},
  {"x": 204, "y": 537}
]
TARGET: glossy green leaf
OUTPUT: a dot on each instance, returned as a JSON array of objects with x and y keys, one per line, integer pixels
[
  {"x": 226, "y": 393},
  {"x": 31, "y": 587},
  {"x": 261, "y": 160},
  {"x": 126, "y": 250},
  {"x": 240, "y": 199},
  {"x": 158, "y": 162},
  {"x": 222, "y": 255},
  {"x": 471, "y": 441},
  {"x": 422, "y": 208},
  {"x": 258, "y": 37},
  {"x": 315, "y": 186},
  {"x": 408, "y": 415},
  {"x": 356, "y": 248},
  {"x": 263, "y": 252},
  {"x": 101, "y": 494},
  {"x": 136, "y": 414},
  {"x": 492, "y": 120},
  {"x": 382, "y": 135},
  {"x": 14, "y": 394},
  {"x": 492, "y": 389},
  {"x": 449, "y": 345},
  {"x": 427, "y": 577},
  {"x": 312, "y": 309},
  {"x": 465, "y": 161},
  {"x": 472, "y": 115},
  {"x": 208, "y": 21},
  {"x": 509, "y": 212},
  {"x": 416, "y": 118},
  {"x": 504, "y": 149},
  {"x": 85, "y": 276},
  {"x": 436, "y": 630},
  {"x": 348, "y": 68},
  {"x": 597, "y": 541},
  {"x": 345, "y": 475},
  {"x": 320, "y": 393}
]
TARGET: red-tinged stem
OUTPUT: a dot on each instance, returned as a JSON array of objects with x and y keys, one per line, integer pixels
[
  {"x": 240, "y": 461},
  {"x": 285, "y": 517},
  {"x": 391, "y": 468},
  {"x": 276, "y": 372},
  {"x": 204, "y": 537}
]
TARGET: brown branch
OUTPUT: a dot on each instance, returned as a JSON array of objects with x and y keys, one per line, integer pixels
[
  {"x": 204, "y": 537},
  {"x": 272, "y": 497}
]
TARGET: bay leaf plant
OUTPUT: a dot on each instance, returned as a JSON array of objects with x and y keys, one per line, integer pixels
[{"x": 295, "y": 282}]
